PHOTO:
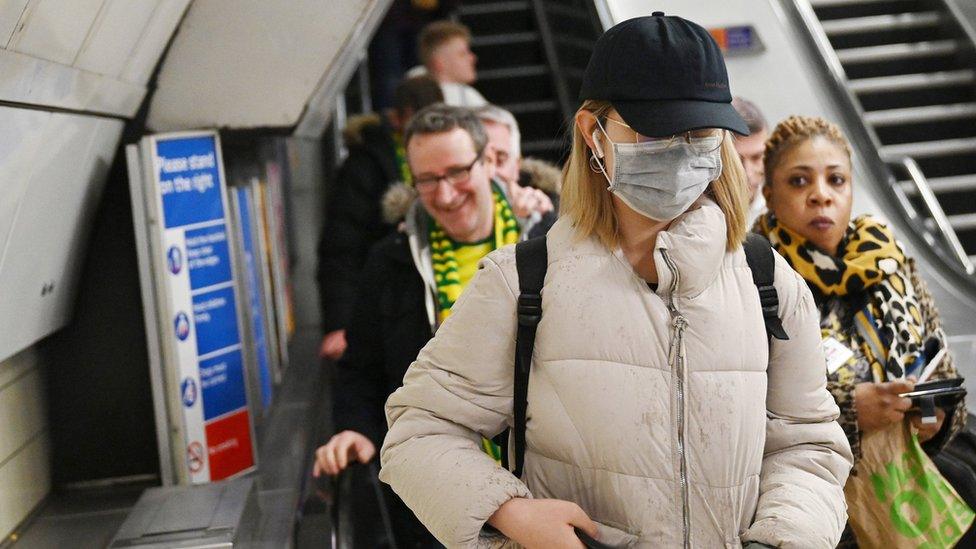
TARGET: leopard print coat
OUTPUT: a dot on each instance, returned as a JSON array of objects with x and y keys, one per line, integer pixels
[{"x": 844, "y": 391}]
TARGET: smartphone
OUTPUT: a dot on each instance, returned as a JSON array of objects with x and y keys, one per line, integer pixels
[
  {"x": 940, "y": 386},
  {"x": 944, "y": 392}
]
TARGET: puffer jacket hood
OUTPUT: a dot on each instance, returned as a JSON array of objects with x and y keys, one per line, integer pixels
[
  {"x": 537, "y": 173},
  {"x": 665, "y": 414}
]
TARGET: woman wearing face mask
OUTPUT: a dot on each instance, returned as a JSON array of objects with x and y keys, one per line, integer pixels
[
  {"x": 659, "y": 413},
  {"x": 857, "y": 272}
]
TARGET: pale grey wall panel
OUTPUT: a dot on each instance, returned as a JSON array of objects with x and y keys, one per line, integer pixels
[
  {"x": 20, "y": 143},
  {"x": 44, "y": 247},
  {"x": 55, "y": 29},
  {"x": 10, "y": 13},
  {"x": 114, "y": 36},
  {"x": 250, "y": 63},
  {"x": 25, "y": 470},
  {"x": 153, "y": 40}
]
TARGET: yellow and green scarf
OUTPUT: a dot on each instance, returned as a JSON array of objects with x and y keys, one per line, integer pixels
[
  {"x": 455, "y": 264},
  {"x": 869, "y": 271},
  {"x": 401, "y": 158},
  {"x": 447, "y": 255}
]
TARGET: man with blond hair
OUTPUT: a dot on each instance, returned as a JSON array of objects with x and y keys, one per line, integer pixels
[{"x": 445, "y": 51}]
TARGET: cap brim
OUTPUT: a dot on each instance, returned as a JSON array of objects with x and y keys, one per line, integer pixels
[{"x": 670, "y": 116}]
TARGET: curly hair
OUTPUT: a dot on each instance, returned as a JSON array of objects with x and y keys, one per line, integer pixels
[{"x": 795, "y": 130}]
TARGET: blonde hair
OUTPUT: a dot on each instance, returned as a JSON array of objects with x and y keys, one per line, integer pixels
[
  {"x": 585, "y": 200},
  {"x": 437, "y": 33},
  {"x": 795, "y": 130}
]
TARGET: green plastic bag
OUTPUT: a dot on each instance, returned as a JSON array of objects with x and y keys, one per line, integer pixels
[{"x": 898, "y": 499}]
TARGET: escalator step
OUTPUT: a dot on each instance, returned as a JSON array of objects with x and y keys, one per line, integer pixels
[
  {"x": 897, "y": 52},
  {"x": 505, "y": 39},
  {"x": 963, "y": 222},
  {"x": 492, "y": 8},
  {"x": 513, "y": 72},
  {"x": 567, "y": 11},
  {"x": 904, "y": 82},
  {"x": 542, "y": 146},
  {"x": 531, "y": 106},
  {"x": 943, "y": 185},
  {"x": 929, "y": 149},
  {"x": 930, "y": 113},
  {"x": 886, "y": 23},
  {"x": 835, "y": 3}
]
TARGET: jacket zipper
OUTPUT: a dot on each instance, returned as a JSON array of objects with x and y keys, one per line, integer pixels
[{"x": 677, "y": 359}]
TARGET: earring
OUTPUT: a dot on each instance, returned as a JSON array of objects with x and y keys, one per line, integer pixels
[{"x": 595, "y": 164}]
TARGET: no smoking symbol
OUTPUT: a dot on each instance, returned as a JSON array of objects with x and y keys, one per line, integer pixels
[{"x": 194, "y": 457}]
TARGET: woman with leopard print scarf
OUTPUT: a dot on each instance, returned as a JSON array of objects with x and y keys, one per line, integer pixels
[{"x": 878, "y": 321}]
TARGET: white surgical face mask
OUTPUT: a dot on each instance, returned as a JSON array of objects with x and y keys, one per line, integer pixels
[{"x": 660, "y": 179}]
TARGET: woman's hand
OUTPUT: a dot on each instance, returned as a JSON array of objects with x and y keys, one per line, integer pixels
[
  {"x": 542, "y": 522},
  {"x": 928, "y": 430},
  {"x": 341, "y": 450},
  {"x": 878, "y": 404},
  {"x": 526, "y": 200}
]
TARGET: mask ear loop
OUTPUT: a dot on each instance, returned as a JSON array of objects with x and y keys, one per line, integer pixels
[{"x": 596, "y": 166}]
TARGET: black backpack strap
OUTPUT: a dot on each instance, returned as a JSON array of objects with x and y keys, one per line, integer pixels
[
  {"x": 531, "y": 261},
  {"x": 759, "y": 256}
]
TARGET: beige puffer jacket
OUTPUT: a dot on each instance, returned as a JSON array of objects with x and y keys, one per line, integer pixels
[{"x": 655, "y": 412}]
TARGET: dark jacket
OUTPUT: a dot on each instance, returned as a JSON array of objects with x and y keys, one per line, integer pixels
[
  {"x": 394, "y": 317},
  {"x": 354, "y": 219}
]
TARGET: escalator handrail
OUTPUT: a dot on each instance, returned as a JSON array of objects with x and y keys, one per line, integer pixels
[
  {"x": 603, "y": 14},
  {"x": 935, "y": 210},
  {"x": 863, "y": 137},
  {"x": 566, "y": 106},
  {"x": 337, "y": 492}
]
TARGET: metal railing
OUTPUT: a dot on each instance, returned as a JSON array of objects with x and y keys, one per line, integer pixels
[
  {"x": 938, "y": 215},
  {"x": 552, "y": 56}
]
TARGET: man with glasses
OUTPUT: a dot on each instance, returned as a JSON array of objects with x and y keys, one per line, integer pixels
[{"x": 412, "y": 279}]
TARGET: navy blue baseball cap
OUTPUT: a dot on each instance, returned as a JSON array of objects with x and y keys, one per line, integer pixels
[{"x": 664, "y": 75}]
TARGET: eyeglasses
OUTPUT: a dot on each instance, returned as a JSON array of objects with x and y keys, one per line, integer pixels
[
  {"x": 702, "y": 141},
  {"x": 454, "y": 176}
]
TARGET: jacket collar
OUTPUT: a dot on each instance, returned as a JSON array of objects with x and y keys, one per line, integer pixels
[
  {"x": 694, "y": 244},
  {"x": 415, "y": 227}
]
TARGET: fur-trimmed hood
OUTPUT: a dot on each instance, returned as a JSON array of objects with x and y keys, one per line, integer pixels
[
  {"x": 536, "y": 173},
  {"x": 354, "y": 134},
  {"x": 542, "y": 175}
]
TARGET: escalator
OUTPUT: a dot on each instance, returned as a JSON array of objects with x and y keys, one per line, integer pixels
[
  {"x": 910, "y": 68},
  {"x": 531, "y": 58}
]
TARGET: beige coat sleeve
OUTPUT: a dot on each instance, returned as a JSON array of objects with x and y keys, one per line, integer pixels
[
  {"x": 807, "y": 457},
  {"x": 458, "y": 390}
]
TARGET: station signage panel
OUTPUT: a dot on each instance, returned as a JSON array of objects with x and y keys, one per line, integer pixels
[
  {"x": 256, "y": 299},
  {"x": 196, "y": 291},
  {"x": 737, "y": 40}
]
